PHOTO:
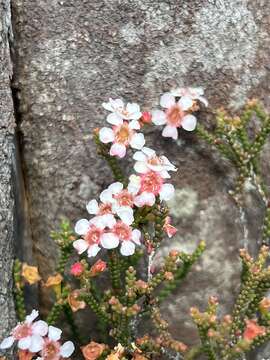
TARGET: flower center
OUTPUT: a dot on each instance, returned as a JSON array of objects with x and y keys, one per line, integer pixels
[
  {"x": 175, "y": 115},
  {"x": 105, "y": 209},
  {"x": 123, "y": 134},
  {"x": 123, "y": 231},
  {"x": 154, "y": 160},
  {"x": 22, "y": 331},
  {"x": 51, "y": 350},
  {"x": 151, "y": 182},
  {"x": 124, "y": 198},
  {"x": 93, "y": 235}
]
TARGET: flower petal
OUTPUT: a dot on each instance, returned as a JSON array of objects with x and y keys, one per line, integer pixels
[
  {"x": 134, "y": 184},
  {"x": 36, "y": 343},
  {"x": 137, "y": 141},
  {"x": 93, "y": 250},
  {"x": 116, "y": 187},
  {"x": 118, "y": 150},
  {"x": 136, "y": 236},
  {"x": 145, "y": 198},
  {"x": 106, "y": 135},
  {"x": 114, "y": 119},
  {"x": 167, "y": 100},
  {"x": 149, "y": 152},
  {"x": 139, "y": 156},
  {"x": 109, "y": 241},
  {"x": 92, "y": 207},
  {"x": 106, "y": 196},
  {"x": 67, "y": 349},
  {"x": 158, "y": 117},
  {"x": 7, "y": 342},
  {"x": 98, "y": 221},
  {"x": 81, "y": 226},
  {"x": 54, "y": 333},
  {"x": 170, "y": 131},
  {"x": 40, "y": 328},
  {"x": 166, "y": 192},
  {"x": 25, "y": 343},
  {"x": 189, "y": 122},
  {"x": 134, "y": 125},
  {"x": 140, "y": 167},
  {"x": 80, "y": 245},
  {"x": 127, "y": 248},
  {"x": 108, "y": 220},
  {"x": 134, "y": 108},
  {"x": 30, "y": 318},
  {"x": 185, "y": 102},
  {"x": 126, "y": 214}
]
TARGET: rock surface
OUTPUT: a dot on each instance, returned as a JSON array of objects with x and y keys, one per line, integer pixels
[
  {"x": 7, "y": 184},
  {"x": 71, "y": 55}
]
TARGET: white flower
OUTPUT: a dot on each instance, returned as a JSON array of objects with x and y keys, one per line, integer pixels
[
  {"x": 127, "y": 237},
  {"x": 120, "y": 112},
  {"x": 29, "y": 334},
  {"x": 175, "y": 115},
  {"x": 114, "y": 200},
  {"x": 193, "y": 93},
  {"x": 122, "y": 135},
  {"x": 53, "y": 349},
  {"x": 148, "y": 160},
  {"x": 148, "y": 186},
  {"x": 92, "y": 232}
]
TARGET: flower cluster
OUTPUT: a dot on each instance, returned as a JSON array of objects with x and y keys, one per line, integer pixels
[{"x": 38, "y": 339}]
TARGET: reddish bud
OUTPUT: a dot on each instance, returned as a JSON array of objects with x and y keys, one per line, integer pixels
[
  {"x": 77, "y": 269},
  {"x": 98, "y": 268}
]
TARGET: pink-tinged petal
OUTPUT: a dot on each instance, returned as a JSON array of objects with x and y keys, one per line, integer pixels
[
  {"x": 134, "y": 125},
  {"x": 141, "y": 167},
  {"x": 116, "y": 187},
  {"x": 107, "y": 106},
  {"x": 93, "y": 250},
  {"x": 189, "y": 122},
  {"x": 137, "y": 141},
  {"x": 203, "y": 100},
  {"x": 106, "y": 135},
  {"x": 114, "y": 119},
  {"x": 7, "y": 343},
  {"x": 133, "y": 108},
  {"x": 139, "y": 156},
  {"x": 25, "y": 343},
  {"x": 67, "y": 349},
  {"x": 164, "y": 174},
  {"x": 30, "y": 318},
  {"x": 127, "y": 248},
  {"x": 54, "y": 333},
  {"x": 185, "y": 102},
  {"x": 145, "y": 198},
  {"x": 170, "y": 131},
  {"x": 80, "y": 245},
  {"x": 136, "y": 236},
  {"x": 167, "y": 100},
  {"x": 125, "y": 213},
  {"x": 168, "y": 164},
  {"x": 106, "y": 196},
  {"x": 98, "y": 221},
  {"x": 158, "y": 117},
  {"x": 109, "y": 241},
  {"x": 178, "y": 92},
  {"x": 36, "y": 343},
  {"x": 167, "y": 192},
  {"x": 92, "y": 207},
  {"x": 149, "y": 152},
  {"x": 108, "y": 220},
  {"x": 81, "y": 227},
  {"x": 134, "y": 184},
  {"x": 118, "y": 150},
  {"x": 40, "y": 328}
]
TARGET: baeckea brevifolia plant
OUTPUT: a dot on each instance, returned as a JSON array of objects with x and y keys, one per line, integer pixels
[{"x": 126, "y": 226}]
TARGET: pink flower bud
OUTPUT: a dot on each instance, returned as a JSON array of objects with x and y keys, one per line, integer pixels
[
  {"x": 146, "y": 117},
  {"x": 77, "y": 269},
  {"x": 98, "y": 268}
]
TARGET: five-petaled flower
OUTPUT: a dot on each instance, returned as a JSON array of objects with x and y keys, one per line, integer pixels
[
  {"x": 52, "y": 348},
  {"x": 114, "y": 200},
  {"x": 127, "y": 237},
  {"x": 192, "y": 93},
  {"x": 148, "y": 186},
  {"x": 29, "y": 334},
  {"x": 147, "y": 160},
  {"x": 175, "y": 116}
]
